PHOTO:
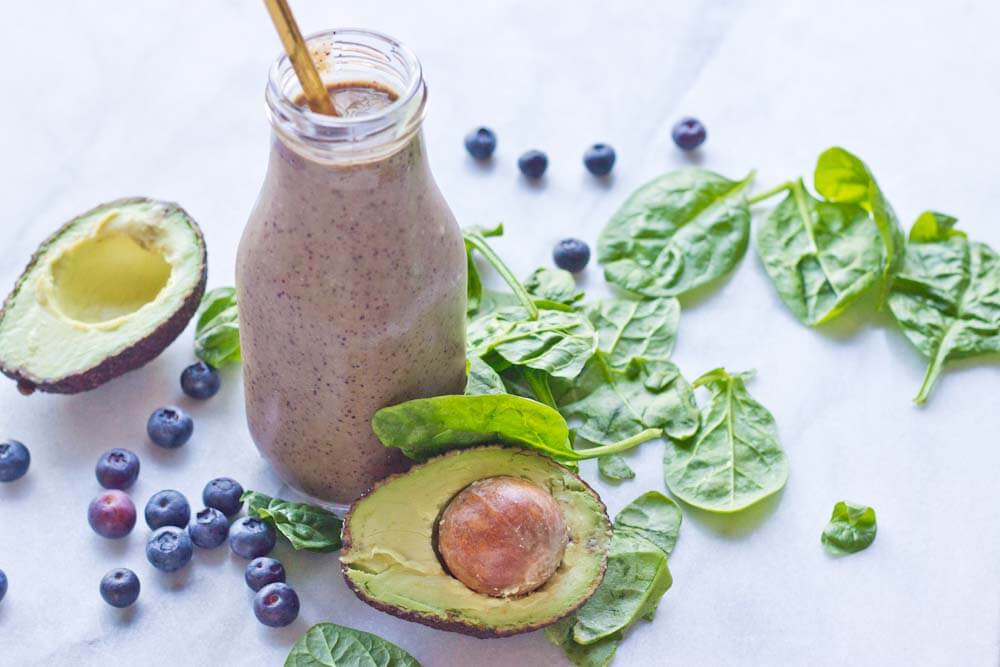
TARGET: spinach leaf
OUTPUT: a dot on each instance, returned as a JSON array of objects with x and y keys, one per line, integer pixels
[
  {"x": 306, "y": 526},
  {"x": 425, "y": 427},
  {"x": 483, "y": 379},
  {"x": 821, "y": 256},
  {"x": 217, "y": 327},
  {"x": 652, "y": 517},
  {"x": 636, "y": 578},
  {"x": 475, "y": 239},
  {"x": 332, "y": 645},
  {"x": 851, "y": 529},
  {"x": 597, "y": 654},
  {"x": 475, "y": 281},
  {"x": 614, "y": 468},
  {"x": 676, "y": 233},
  {"x": 843, "y": 178},
  {"x": 557, "y": 342},
  {"x": 946, "y": 297},
  {"x": 735, "y": 459},
  {"x": 555, "y": 285},
  {"x": 614, "y": 404},
  {"x": 628, "y": 329}
]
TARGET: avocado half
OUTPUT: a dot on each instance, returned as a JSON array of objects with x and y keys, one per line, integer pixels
[
  {"x": 390, "y": 561},
  {"x": 103, "y": 295}
]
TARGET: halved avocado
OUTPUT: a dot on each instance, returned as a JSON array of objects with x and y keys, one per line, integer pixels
[
  {"x": 390, "y": 557},
  {"x": 103, "y": 295}
]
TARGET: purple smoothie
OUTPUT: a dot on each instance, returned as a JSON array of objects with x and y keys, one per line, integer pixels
[{"x": 351, "y": 281}]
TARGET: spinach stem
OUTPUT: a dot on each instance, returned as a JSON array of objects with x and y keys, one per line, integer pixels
[
  {"x": 539, "y": 382},
  {"x": 622, "y": 445},
  {"x": 478, "y": 241},
  {"x": 769, "y": 193}
]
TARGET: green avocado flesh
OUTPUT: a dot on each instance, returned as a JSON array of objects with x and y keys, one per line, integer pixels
[
  {"x": 390, "y": 561},
  {"x": 103, "y": 295}
]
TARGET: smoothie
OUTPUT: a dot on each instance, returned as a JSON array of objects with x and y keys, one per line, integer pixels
[{"x": 350, "y": 283}]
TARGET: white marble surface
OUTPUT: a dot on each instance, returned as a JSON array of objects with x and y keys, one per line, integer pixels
[{"x": 165, "y": 99}]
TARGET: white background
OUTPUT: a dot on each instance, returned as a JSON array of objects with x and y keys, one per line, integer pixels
[{"x": 108, "y": 99}]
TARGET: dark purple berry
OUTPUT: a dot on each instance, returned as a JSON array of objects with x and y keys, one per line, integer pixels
[
  {"x": 276, "y": 605},
  {"x": 263, "y": 571},
  {"x": 481, "y": 143},
  {"x": 117, "y": 469},
  {"x": 571, "y": 255},
  {"x": 599, "y": 159},
  {"x": 224, "y": 494},
  {"x": 209, "y": 529},
  {"x": 168, "y": 508},
  {"x": 169, "y": 427},
  {"x": 14, "y": 460},
  {"x": 533, "y": 163},
  {"x": 200, "y": 381},
  {"x": 111, "y": 514},
  {"x": 689, "y": 133},
  {"x": 120, "y": 587},
  {"x": 251, "y": 537},
  {"x": 169, "y": 549}
]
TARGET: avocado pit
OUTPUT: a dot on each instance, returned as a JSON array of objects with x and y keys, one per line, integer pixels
[{"x": 502, "y": 536}]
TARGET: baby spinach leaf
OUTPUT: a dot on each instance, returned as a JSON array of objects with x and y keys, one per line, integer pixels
[
  {"x": 425, "y": 427},
  {"x": 475, "y": 239},
  {"x": 676, "y": 233},
  {"x": 557, "y": 342},
  {"x": 821, "y": 256},
  {"x": 614, "y": 468},
  {"x": 555, "y": 285},
  {"x": 482, "y": 379},
  {"x": 614, "y": 404},
  {"x": 217, "y": 327},
  {"x": 851, "y": 529},
  {"x": 652, "y": 517},
  {"x": 332, "y": 645},
  {"x": 628, "y": 328},
  {"x": 596, "y": 654},
  {"x": 946, "y": 297},
  {"x": 841, "y": 177},
  {"x": 636, "y": 578},
  {"x": 475, "y": 281},
  {"x": 735, "y": 459},
  {"x": 306, "y": 526}
]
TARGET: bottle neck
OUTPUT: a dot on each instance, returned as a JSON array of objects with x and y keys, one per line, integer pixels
[{"x": 349, "y": 56}]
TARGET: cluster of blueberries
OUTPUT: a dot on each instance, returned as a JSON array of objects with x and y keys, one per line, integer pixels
[
  {"x": 599, "y": 159},
  {"x": 573, "y": 254},
  {"x": 170, "y": 547}
]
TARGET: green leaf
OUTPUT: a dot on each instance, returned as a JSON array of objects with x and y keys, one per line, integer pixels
[
  {"x": 842, "y": 177},
  {"x": 557, "y": 342},
  {"x": 629, "y": 329},
  {"x": 614, "y": 404},
  {"x": 483, "y": 379},
  {"x": 597, "y": 654},
  {"x": 735, "y": 459},
  {"x": 851, "y": 529},
  {"x": 305, "y": 526},
  {"x": 554, "y": 285},
  {"x": 332, "y": 645},
  {"x": 217, "y": 327},
  {"x": 946, "y": 297},
  {"x": 676, "y": 233},
  {"x": 821, "y": 256},
  {"x": 652, "y": 517},
  {"x": 425, "y": 427},
  {"x": 614, "y": 468},
  {"x": 475, "y": 281}
]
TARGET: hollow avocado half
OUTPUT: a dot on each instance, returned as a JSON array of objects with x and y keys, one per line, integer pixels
[
  {"x": 104, "y": 294},
  {"x": 390, "y": 561}
]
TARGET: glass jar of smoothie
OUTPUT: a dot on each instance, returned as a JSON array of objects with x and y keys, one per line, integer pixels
[{"x": 351, "y": 272}]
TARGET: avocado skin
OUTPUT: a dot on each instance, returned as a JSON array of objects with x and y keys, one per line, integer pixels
[
  {"x": 459, "y": 626},
  {"x": 143, "y": 351}
]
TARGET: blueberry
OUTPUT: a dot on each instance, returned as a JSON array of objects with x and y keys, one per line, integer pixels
[
  {"x": 200, "y": 381},
  {"x": 689, "y": 133},
  {"x": 599, "y": 159},
  {"x": 117, "y": 469},
  {"x": 571, "y": 255},
  {"x": 120, "y": 587},
  {"x": 251, "y": 537},
  {"x": 481, "y": 143},
  {"x": 169, "y": 427},
  {"x": 209, "y": 528},
  {"x": 3, "y": 584},
  {"x": 224, "y": 494},
  {"x": 112, "y": 514},
  {"x": 276, "y": 605},
  {"x": 263, "y": 571},
  {"x": 168, "y": 508},
  {"x": 169, "y": 548},
  {"x": 14, "y": 460},
  {"x": 533, "y": 164}
]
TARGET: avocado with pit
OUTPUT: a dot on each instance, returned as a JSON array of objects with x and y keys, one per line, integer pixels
[
  {"x": 103, "y": 295},
  {"x": 491, "y": 541}
]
